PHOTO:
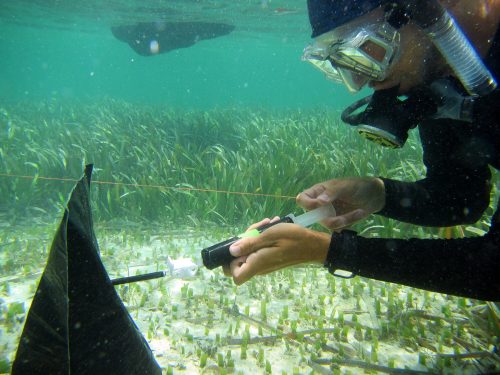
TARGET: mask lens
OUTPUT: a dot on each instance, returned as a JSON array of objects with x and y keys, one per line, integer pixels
[
  {"x": 327, "y": 69},
  {"x": 356, "y": 61},
  {"x": 355, "y": 56},
  {"x": 374, "y": 50},
  {"x": 317, "y": 57},
  {"x": 354, "y": 82}
]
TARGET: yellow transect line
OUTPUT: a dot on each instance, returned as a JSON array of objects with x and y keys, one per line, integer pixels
[{"x": 150, "y": 186}]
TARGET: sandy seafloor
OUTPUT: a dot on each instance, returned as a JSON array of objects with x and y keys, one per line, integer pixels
[{"x": 301, "y": 320}]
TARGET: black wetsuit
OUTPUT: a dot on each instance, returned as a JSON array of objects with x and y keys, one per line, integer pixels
[{"x": 456, "y": 190}]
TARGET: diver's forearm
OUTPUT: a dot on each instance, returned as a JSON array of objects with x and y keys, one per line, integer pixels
[
  {"x": 437, "y": 203},
  {"x": 466, "y": 267}
]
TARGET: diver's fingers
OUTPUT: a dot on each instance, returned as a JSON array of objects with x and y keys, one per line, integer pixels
[
  {"x": 316, "y": 196},
  {"x": 235, "y": 267},
  {"x": 235, "y": 263},
  {"x": 308, "y": 198},
  {"x": 247, "y": 246},
  {"x": 263, "y": 222},
  {"x": 243, "y": 271},
  {"x": 240, "y": 248},
  {"x": 342, "y": 221}
]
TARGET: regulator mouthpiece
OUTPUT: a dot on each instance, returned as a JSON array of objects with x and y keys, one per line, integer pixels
[{"x": 389, "y": 128}]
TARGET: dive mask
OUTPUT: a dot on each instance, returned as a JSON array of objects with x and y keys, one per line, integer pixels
[{"x": 356, "y": 56}]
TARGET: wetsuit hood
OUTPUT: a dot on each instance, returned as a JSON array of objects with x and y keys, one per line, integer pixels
[{"x": 325, "y": 15}]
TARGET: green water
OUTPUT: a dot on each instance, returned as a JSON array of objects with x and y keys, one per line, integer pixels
[
  {"x": 70, "y": 56},
  {"x": 239, "y": 114}
]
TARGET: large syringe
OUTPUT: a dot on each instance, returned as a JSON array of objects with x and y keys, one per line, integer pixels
[{"x": 218, "y": 254}]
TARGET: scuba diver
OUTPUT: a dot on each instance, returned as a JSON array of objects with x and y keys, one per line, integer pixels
[{"x": 431, "y": 64}]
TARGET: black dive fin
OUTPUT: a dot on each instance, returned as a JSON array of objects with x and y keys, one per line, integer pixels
[{"x": 77, "y": 323}]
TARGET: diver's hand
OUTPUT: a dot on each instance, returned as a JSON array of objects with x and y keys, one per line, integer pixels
[
  {"x": 278, "y": 247},
  {"x": 354, "y": 199},
  {"x": 451, "y": 104}
]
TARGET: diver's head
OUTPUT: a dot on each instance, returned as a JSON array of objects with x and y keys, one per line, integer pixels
[
  {"x": 388, "y": 43},
  {"x": 368, "y": 42},
  {"x": 397, "y": 47}
]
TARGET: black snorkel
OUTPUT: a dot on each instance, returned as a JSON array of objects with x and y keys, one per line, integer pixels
[{"x": 448, "y": 38}]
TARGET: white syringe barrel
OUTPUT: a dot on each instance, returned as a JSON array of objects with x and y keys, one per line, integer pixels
[{"x": 314, "y": 216}]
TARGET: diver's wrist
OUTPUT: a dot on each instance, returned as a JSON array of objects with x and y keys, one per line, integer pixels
[{"x": 321, "y": 244}]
